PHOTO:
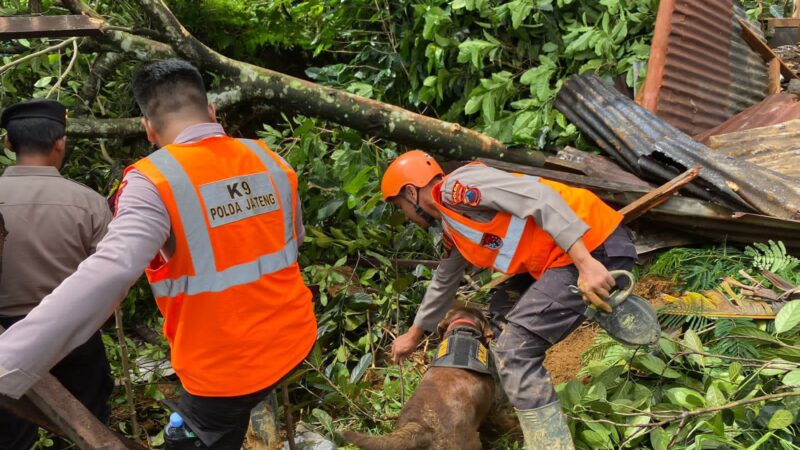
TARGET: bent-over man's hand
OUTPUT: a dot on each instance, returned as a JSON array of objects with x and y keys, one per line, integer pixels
[
  {"x": 406, "y": 343},
  {"x": 595, "y": 283}
]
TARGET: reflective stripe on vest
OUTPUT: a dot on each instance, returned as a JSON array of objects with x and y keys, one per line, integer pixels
[
  {"x": 207, "y": 278},
  {"x": 511, "y": 239},
  {"x": 510, "y": 244}
]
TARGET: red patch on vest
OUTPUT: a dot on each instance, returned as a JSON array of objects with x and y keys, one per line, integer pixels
[
  {"x": 458, "y": 192},
  {"x": 491, "y": 241}
]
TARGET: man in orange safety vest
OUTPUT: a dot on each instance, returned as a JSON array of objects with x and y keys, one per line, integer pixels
[{"x": 549, "y": 234}]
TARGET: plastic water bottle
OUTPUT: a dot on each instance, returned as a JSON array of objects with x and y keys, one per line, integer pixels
[{"x": 178, "y": 435}]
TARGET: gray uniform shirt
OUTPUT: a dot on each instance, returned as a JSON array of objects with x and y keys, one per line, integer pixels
[
  {"x": 85, "y": 300},
  {"x": 497, "y": 191},
  {"x": 53, "y": 224}
]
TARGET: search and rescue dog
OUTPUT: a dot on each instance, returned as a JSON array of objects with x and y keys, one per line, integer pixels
[{"x": 450, "y": 403}]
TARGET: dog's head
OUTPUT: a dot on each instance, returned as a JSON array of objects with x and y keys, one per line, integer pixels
[{"x": 466, "y": 317}]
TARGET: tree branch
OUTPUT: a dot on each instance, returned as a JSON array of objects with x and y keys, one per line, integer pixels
[
  {"x": 303, "y": 97},
  {"x": 131, "y": 126},
  {"x": 139, "y": 47},
  {"x": 111, "y": 128},
  {"x": 43, "y": 51},
  {"x": 66, "y": 71},
  {"x": 79, "y": 7},
  {"x": 103, "y": 66},
  {"x": 178, "y": 36},
  {"x": 696, "y": 412}
]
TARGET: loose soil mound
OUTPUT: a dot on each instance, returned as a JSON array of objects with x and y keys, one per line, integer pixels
[{"x": 563, "y": 360}]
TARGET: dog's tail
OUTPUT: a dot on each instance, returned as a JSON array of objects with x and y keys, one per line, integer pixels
[{"x": 409, "y": 436}]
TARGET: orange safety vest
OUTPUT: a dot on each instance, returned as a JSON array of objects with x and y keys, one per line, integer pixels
[
  {"x": 237, "y": 314},
  {"x": 511, "y": 244}
]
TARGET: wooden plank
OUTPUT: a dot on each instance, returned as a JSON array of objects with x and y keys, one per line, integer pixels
[
  {"x": 658, "y": 196},
  {"x": 763, "y": 49},
  {"x": 16, "y": 27},
  {"x": 774, "y": 76},
  {"x": 783, "y": 23}
]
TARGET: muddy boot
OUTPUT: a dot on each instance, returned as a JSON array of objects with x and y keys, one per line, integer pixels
[{"x": 545, "y": 428}]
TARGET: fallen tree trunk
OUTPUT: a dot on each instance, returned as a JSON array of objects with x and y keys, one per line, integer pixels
[{"x": 294, "y": 95}]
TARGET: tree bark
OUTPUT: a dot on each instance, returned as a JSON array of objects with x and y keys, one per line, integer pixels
[
  {"x": 299, "y": 96},
  {"x": 104, "y": 128}
]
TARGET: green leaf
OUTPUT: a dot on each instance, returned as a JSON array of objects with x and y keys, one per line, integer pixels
[
  {"x": 685, "y": 398},
  {"x": 781, "y": 419},
  {"x": 520, "y": 10},
  {"x": 474, "y": 104},
  {"x": 714, "y": 396},
  {"x": 734, "y": 370},
  {"x": 778, "y": 366},
  {"x": 329, "y": 209},
  {"x": 341, "y": 353},
  {"x": 596, "y": 439},
  {"x": 655, "y": 365},
  {"x": 776, "y": 10},
  {"x": 788, "y": 317},
  {"x": 637, "y": 420},
  {"x": 549, "y": 47},
  {"x": 692, "y": 340},
  {"x": 792, "y": 378},
  {"x": 43, "y": 82},
  {"x": 474, "y": 51},
  {"x": 758, "y": 443},
  {"x": 358, "y": 181},
  {"x": 361, "y": 368},
  {"x": 325, "y": 419},
  {"x": 574, "y": 391},
  {"x": 488, "y": 107},
  {"x": 659, "y": 439}
]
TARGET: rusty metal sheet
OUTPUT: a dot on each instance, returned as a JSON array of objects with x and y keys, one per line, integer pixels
[
  {"x": 777, "y": 108},
  {"x": 776, "y": 147},
  {"x": 655, "y": 150},
  {"x": 701, "y": 71}
]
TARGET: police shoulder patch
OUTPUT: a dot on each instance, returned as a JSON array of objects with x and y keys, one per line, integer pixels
[
  {"x": 472, "y": 196},
  {"x": 458, "y": 192}
]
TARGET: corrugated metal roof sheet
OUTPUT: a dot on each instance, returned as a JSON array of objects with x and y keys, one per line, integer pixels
[
  {"x": 776, "y": 108},
  {"x": 776, "y": 147},
  {"x": 653, "y": 149},
  {"x": 701, "y": 71}
]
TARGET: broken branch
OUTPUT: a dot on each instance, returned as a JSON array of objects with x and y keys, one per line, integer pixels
[{"x": 43, "y": 51}]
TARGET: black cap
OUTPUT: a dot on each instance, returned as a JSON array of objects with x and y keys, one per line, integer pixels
[{"x": 35, "y": 109}]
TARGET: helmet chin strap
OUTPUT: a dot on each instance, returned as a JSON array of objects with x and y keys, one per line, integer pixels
[{"x": 424, "y": 215}]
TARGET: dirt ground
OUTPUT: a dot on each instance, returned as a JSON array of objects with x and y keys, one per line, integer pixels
[
  {"x": 563, "y": 360},
  {"x": 651, "y": 287}
]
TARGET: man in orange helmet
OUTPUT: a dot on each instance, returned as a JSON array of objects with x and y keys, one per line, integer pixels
[{"x": 551, "y": 235}]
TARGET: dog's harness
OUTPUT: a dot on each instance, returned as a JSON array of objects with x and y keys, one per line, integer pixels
[{"x": 463, "y": 349}]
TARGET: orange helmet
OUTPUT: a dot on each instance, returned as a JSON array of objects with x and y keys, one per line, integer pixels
[{"x": 416, "y": 168}]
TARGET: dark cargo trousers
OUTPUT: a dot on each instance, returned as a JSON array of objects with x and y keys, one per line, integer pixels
[{"x": 542, "y": 316}]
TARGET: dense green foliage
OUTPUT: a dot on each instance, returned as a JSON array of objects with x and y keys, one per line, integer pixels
[
  {"x": 628, "y": 392},
  {"x": 489, "y": 64}
]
